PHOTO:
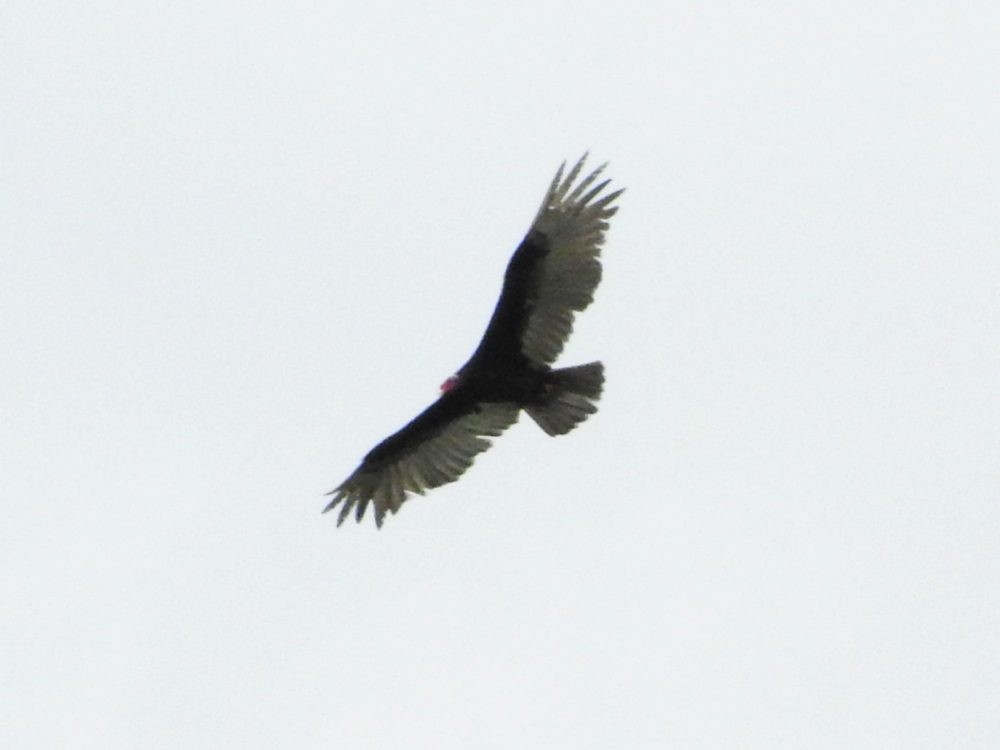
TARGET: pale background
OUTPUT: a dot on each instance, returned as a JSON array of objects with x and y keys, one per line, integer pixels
[{"x": 241, "y": 243}]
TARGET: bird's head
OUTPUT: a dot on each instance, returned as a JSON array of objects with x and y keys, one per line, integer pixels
[{"x": 449, "y": 384}]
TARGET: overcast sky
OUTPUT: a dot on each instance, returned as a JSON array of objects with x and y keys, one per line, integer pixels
[{"x": 241, "y": 244}]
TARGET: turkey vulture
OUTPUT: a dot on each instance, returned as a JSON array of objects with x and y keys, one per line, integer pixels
[{"x": 552, "y": 275}]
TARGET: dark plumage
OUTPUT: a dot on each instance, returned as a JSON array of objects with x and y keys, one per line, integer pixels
[{"x": 551, "y": 276}]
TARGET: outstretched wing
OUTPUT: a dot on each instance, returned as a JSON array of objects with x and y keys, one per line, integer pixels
[
  {"x": 554, "y": 272},
  {"x": 572, "y": 221},
  {"x": 433, "y": 449}
]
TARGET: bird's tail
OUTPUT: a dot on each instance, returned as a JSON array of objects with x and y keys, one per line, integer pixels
[{"x": 571, "y": 393}]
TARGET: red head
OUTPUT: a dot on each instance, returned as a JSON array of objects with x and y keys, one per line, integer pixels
[{"x": 449, "y": 384}]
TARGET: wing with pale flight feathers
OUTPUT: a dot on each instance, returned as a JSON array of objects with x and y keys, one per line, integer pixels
[{"x": 433, "y": 449}]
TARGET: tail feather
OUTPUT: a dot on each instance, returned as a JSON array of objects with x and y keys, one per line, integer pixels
[{"x": 573, "y": 391}]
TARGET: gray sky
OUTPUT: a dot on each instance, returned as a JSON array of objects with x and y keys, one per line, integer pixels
[{"x": 241, "y": 245}]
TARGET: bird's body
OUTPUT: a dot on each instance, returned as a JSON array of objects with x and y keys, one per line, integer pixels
[{"x": 552, "y": 274}]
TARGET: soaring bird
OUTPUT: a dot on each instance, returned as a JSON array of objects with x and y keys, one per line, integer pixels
[{"x": 551, "y": 276}]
